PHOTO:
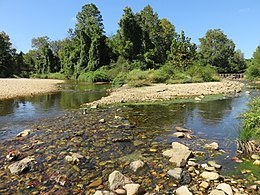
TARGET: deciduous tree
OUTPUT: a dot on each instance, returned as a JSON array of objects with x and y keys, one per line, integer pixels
[{"x": 217, "y": 50}]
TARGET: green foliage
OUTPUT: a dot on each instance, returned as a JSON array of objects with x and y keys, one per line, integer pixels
[
  {"x": 179, "y": 77},
  {"x": 128, "y": 38},
  {"x": 217, "y": 50},
  {"x": 138, "y": 78},
  {"x": 182, "y": 52},
  {"x": 200, "y": 73},
  {"x": 251, "y": 124},
  {"x": 7, "y": 53},
  {"x": 253, "y": 71},
  {"x": 57, "y": 75},
  {"x": 119, "y": 80},
  {"x": 94, "y": 76}
]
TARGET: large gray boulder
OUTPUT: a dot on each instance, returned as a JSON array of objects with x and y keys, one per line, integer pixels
[
  {"x": 118, "y": 180},
  {"x": 179, "y": 154}
]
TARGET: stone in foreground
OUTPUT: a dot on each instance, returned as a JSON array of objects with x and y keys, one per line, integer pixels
[
  {"x": 175, "y": 173},
  {"x": 133, "y": 189},
  {"x": 217, "y": 192},
  {"x": 210, "y": 175},
  {"x": 21, "y": 166},
  {"x": 99, "y": 192},
  {"x": 179, "y": 154},
  {"x": 136, "y": 165},
  {"x": 225, "y": 188},
  {"x": 183, "y": 190},
  {"x": 117, "y": 180}
]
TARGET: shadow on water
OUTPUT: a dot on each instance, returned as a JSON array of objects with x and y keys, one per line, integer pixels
[{"x": 17, "y": 114}]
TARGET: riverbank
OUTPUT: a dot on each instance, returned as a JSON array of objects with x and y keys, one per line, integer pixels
[
  {"x": 158, "y": 92},
  {"x": 11, "y": 88}
]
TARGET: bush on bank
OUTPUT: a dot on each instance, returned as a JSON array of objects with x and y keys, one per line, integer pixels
[{"x": 251, "y": 124}]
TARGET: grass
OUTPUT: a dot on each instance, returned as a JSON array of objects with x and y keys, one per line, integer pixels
[
  {"x": 252, "y": 174},
  {"x": 251, "y": 124}
]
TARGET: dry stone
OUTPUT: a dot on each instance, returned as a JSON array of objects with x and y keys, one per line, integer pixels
[
  {"x": 225, "y": 188},
  {"x": 117, "y": 180},
  {"x": 179, "y": 154},
  {"x": 210, "y": 175},
  {"x": 183, "y": 190}
]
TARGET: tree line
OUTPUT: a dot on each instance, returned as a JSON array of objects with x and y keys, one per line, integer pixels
[{"x": 143, "y": 41}]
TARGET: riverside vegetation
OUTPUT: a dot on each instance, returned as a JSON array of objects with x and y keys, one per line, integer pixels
[{"x": 145, "y": 49}]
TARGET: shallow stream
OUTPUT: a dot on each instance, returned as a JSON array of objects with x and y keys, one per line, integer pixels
[{"x": 146, "y": 130}]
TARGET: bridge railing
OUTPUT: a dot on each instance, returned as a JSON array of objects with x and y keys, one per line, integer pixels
[{"x": 233, "y": 76}]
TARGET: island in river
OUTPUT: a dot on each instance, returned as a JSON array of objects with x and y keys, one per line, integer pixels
[{"x": 158, "y": 92}]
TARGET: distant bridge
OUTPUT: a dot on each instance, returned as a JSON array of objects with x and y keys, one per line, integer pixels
[{"x": 232, "y": 76}]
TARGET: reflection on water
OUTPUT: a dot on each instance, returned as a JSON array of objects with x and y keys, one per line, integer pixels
[
  {"x": 210, "y": 118},
  {"x": 17, "y": 114}
]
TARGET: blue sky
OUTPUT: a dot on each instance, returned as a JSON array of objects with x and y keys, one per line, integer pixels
[{"x": 23, "y": 20}]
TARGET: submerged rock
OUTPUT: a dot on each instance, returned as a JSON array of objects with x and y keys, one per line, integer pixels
[
  {"x": 212, "y": 146},
  {"x": 214, "y": 164},
  {"x": 181, "y": 129},
  {"x": 118, "y": 180},
  {"x": 21, "y": 166},
  {"x": 74, "y": 158},
  {"x": 13, "y": 155},
  {"x": 24, "y": 133},
  {"x": 179, "y": 134}
]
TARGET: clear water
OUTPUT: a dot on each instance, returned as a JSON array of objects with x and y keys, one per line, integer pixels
[{"x": 17, "y": 114}]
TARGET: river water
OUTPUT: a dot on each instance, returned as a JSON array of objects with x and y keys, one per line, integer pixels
[
  {"x": 20, "y": 113},
  {"x": 216, "y": 120},
  {"x": 151, "y": 125}
]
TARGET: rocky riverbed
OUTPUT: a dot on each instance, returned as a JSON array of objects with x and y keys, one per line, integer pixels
[
  {"x": 99, "y": 151},
  {"x": 159, "y": 92}
]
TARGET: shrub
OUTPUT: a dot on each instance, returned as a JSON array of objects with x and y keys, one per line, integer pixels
[
  {"x": 158, "y": 76},
  {"x": 57, "y": 75},
  {"x": 138, "y": 78},
  {"x": 119, "y": 80},
  {"x": 94, "y": 76},
  {"x": 200, "y": 73},
  {"x": 253, "y": 72},
  {"x": 251, "y": 124}
]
